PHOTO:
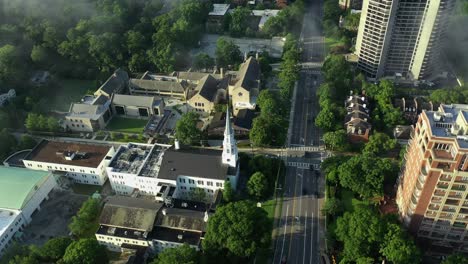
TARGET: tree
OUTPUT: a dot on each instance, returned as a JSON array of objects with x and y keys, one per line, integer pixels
[
  {"x": 361, "y": 232},
  {"x": 85, "y": 251},
  {"x": 7, "y": 144},
  {"x": 332, "y": 206},
  {"x": 52, "y": 124},
  {"x": 39, "y": 54},
  {"x": 203, "y": 61},
  {"x": 379, "y": 143},
  {"x": 182, "y": 254},
  {"x": 241, "y": 228},
  {"x": 268, "y": 102},
  {"x": 228, "y": 192},
  {"x": 365, "y": 175},
  {"x": 456, "y": 259},
  {"x": 337, "y": 140},
  {"x": 325, "y": 118},
  {"x": 239, "y": 21},
  {"x": 397, "y": 247},
  {"x": 186, "y": 129},
  {"x": 10, "y": 63},
  {"x": 83, "y": 222},
  {"x": 268, "y": 130},
  {"x": 257, "y": 186},
  {"x": 227, "y": 53},
  {"x": 352, "y": 21},
  {"x": 27, "y": 259},
  {"x": 55, "y": 248},
  {"x": 198, "y": 195}
]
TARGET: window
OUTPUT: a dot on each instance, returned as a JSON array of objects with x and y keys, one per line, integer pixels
[
  {"x": 191, "y": 181},
  {"x": 442, "y": 146},
  {"x": 240, "y": 94},
  {"x": 218, "y": 184},
  {"x": 182, "y": 180},
  {"x": 200, "y": 182},
  {"x": 209, "y": 183}
]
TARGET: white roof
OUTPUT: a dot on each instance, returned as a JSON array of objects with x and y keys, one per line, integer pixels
[
  {"x": 219, "y": 9},
  {"x": 265, "y": 14},
  {"x": 7, "y": 217}
]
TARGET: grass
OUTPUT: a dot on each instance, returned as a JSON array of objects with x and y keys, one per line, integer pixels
[
  {"x": 331, "y": 42},
  {"x": 349, "y": 202},
  {"x": 69, "y": 90},
  {"x": 85, "y": 189},
  {"x": 269, "y": 207},
  {"x": 127, "y": 125}
]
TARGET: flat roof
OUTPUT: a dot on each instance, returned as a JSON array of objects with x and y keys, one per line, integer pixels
[
  {"x": 131, "y": 213},
  {"x": 7, "y": 217},
  {"x": 175, "y": 235},
  {"x": 130, "y": 158},
  {"x": 219, "y": 9},
  {"x": 202, "y": 163},
  {"x": 17, "y": 186},
  {"x": 53, "y": 152}
]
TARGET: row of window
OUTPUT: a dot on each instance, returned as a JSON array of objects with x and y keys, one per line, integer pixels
[{"x": 201, "y": 182}]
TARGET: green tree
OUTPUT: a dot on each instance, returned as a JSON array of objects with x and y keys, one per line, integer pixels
[
  {"x": 337, "y": 140},
  {"x": 397, "y": 247},
  {"x": 268, "y": 102},
  {"x": 257, "y": 186},
  {"x": 325, "y": 118},
  {"x": 198, "y": 195},
  {"x": 352, "y": 21},
  {"x": 52, "y": 124},
  {"x": 338, "y": 74},
  {"x": 7, "y": 144},
  {"x": 239, "y": 21},
  {"x": 203, "y": 61},
  {"x": 379, "y": 143},
  {"x": 11, "y": 64},
  {"x": 456, "y": 259},
  {"x": 183, "y": 254},
  {"x": 241, "y": 228},
  {"x": 268, "y": 130},
  {"x": 186, "y": 129},
  {"x": 85, "y": 251},
  {"x": 39, "y": 54},
  {"x": 55, "y": 248},
  {"x": 27, "y": 259},
  {"x": 365, "y": 175},
  {"x": 27, "y": 142},
  {"x": 361, "y": 232},
  {"x": 228, "y": 192},
  {"x": 227, "y": 53},
  {"x": 83, "y": 222},
  {"x": 332, "y": 206}
]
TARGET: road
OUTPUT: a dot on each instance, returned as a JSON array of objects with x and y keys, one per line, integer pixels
[{"x": 300, "y": 233}]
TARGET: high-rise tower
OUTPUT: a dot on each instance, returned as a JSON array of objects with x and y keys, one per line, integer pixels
[
  {"x": 432, "y": 193},
  {"x": 229, "y": 155},
  {"x": 402, "y": 37}
]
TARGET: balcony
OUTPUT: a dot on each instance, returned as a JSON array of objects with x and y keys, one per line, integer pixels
[
  {"x": 443, "y": 166},
  {"x": 439, "y": 193},
  {"x": 458, "y": 187},
  {"x": 449, "y": 209},
  {"x": 445, "y": 178},
  {"x": 438, "y": 200},
  {"x": 431, "y": 214},
  {"x": 455, "y": 195},
  {"x": 434, "y": 207},
  {"x": 459, "y": 225},
  {"x": 452, "y": 202},
  {"x": 442, "y": 186},
  {"x": 460, "y": 179},
  {"x": 441, "y": 154}
]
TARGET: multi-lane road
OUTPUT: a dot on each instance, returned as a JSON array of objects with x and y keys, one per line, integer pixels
[{"x": 300, "y": 233}]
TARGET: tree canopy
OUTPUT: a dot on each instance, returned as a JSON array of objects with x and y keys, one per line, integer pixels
[
  {"x": 83, "y": 223},
  {"x": 183, "y": 254},
  {"x": 186, "y": 129},
  {"x": 257, "y": 186},
  {"x": 337, "y": 140},
  {"x": 240, "y": 228},
  {"x": 55, "y": 248},
  {"x": 379, "y": 143},
  {"x": 456, "y": 259},
  {"x": 85, "y": 251},
  {"x": 227, "y": 53},
  {"x": 397, "y": 247}
]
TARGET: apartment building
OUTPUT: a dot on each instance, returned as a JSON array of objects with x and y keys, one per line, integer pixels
[
  {"x": 432, "y": 193},
  {"x": 81, "y": 162},
  {"x": 402, "y": 38}
]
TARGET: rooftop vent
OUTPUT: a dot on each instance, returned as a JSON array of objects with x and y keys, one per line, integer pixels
[
  {"x": 180, "y": 237},
  {"x": 438, "y": 116},
  {"x": 184, "y": 204}
]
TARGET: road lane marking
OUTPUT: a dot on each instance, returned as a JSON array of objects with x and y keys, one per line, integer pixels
[
  {"x": 293, "y": 214},
  {"x": 284, "y": 235},
  {"x": 311, "y": 238},
  {"x": 305, "y": 238}
]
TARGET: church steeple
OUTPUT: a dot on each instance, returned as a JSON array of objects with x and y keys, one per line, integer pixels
[{"x": 229, "y": 143}]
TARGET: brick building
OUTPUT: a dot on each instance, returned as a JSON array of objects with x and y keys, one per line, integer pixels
[{"x": 432, "y": 189}]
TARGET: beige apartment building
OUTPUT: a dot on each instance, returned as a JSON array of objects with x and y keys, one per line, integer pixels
[
  {"x": 433, "y": 186},
  {"x": 402, "y": 38}
]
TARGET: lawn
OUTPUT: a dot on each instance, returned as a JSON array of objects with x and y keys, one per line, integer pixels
[
  {"x": 69, "y": 91},
  {"x": 85, "y": 189},
  {"x": 331, "y": 42},
  {"x": 127, "y": 125},
  {"x": 269, "y": 207},
  {"x": 349, "y": 202}
]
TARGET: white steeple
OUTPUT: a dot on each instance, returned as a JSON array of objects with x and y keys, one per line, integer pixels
[{"x": 229, "y": 144}]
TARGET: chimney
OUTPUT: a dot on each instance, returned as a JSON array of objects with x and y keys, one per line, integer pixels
[
  {"x": 256, "y": 56},
  {"x": 176, "y": 144},
  {"x": 221, "y": 71},
  {"x": 245, "y": 56},
  {"x": 205, "y": 218},
  {"x": 164, "y": 212}
]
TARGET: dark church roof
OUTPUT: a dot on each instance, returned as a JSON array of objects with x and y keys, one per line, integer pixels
[{"x": 203, "y": 163}]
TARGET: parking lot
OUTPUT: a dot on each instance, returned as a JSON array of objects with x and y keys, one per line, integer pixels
[{"x": 53, "y": 218}]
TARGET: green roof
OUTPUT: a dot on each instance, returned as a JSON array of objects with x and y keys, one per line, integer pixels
[{"x": 16, "y": 185}]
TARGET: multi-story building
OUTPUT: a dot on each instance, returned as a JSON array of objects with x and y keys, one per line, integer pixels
[
  {"x": 21, "y": 193},
  {"x": 433, "y": 186},
  {"x": 402, "y": 38},
  {"x": 81, "y": 162},
  {"x": 129, "y": 223},
  {"x": 161, "y": 170}
]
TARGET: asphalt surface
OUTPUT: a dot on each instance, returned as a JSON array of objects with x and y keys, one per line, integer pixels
[{"x": 300, "y": 233}]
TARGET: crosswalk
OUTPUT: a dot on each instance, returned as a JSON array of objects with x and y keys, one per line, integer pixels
[
  {"x": 306, "y": 149},
  {"x": 303, "y": 165}
]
